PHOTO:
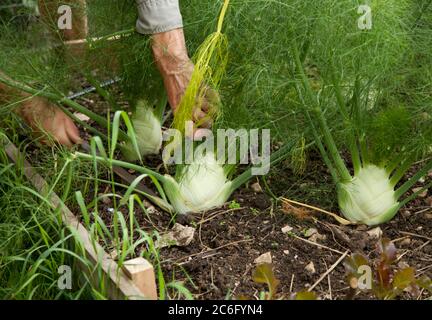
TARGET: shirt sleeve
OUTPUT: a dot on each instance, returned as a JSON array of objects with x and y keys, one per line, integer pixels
[{"x": 156, "y": 16}]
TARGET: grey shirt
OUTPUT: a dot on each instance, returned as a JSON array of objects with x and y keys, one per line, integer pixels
[{"x": 156, "y": 16}]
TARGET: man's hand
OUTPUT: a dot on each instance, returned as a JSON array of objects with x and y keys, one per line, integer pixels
[
  {"x": 47, "y": 119},
  {"x": 176, "y": 68}
]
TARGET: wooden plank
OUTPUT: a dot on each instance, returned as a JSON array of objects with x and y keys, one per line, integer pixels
[
  {"x": 119, "y": 285},
  {"x": 141, "y": 272}
]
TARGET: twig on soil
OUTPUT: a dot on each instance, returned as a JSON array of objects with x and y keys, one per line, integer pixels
[
  {"x": 334, "y": 229},
  {"x": 218, "y": 248},
  {"x": 415, "y": 249},
  {"x": 218, "y": 214},
  {"x": 333, "y": 215},
  {"x": 400, "y": 239},
  {"x": 426, "y": 209},
  {"x": 420, "y": 294},
  {"x": 423, "y": 270},
  {"x": 329, "y": 282},
  {"x": 415, "y": 235},
  {"x": 317, "y": 244},
  {"x": 329, "y": 270},
  {"x": 292, "y": 282}
]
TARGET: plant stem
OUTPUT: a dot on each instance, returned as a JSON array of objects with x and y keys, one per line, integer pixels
[
  {"x": 352, "y": 144},
  {"x": 123, "y": 164},
  {"x": 222, "y": 15},
  {"x": 328, "y": 139},
  {"x": 414, "y": 195},
  {"x": 105, "y": 94},
  {"x": 317, "y": 139},
  {"x": 400, "y": 172},
  {"x": 275, "y": 158},
  {"x": 84, "y": 124},
  {"x": 407, "y": 185}
]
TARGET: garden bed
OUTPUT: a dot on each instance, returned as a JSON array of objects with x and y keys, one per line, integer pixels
[
  {"x": 219, "y": 262},
  {"x": 302, "y": 243}
]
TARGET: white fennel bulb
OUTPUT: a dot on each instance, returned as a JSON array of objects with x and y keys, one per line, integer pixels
[
  {"x": 201, "y": 186},
  {"x": 369, "y": 197},
  {"x": 148, "y": 131}
]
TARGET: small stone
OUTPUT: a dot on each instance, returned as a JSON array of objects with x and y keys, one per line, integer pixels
[
  {"x": 428, "y": 216},
  {"x": 406, "y": 214},
  {"x": 429, "y": 201},
  {"x": 309, "y": 232},
  {"x": 405, "y": 242},
  {"x": 375, "y": 233},
  {"x": 286, "y": 229},
  {"x": 256, "y": 187},
  {"x": 422, "y": 194},
  {"x": 151, "y": 210},
  {"x": 81, "y": 116},
  {"x": 317, "y": 237},
  {"x": 179, "y": 235},
  {"x": 310, "y": 268},
  {"x": 286, "y": 252},
  {"x": 419, "y": 228},
  {"x": 264, "y": 258}
]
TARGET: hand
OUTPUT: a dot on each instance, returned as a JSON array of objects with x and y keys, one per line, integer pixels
[
  {"x": 176, "y": 68},
  {"x": 46, "y": 119}
]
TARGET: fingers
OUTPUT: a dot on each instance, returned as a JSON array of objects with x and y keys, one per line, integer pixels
[
  {"x": 62, "y": 136},
  {"x": 67, "y": 134},
  {"x": 202, "y": 119},
  {"x": 72, "y": 132},
  {"x": 62, "y": 130}
]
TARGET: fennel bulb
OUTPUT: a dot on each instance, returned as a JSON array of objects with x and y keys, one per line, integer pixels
[
  {"x": 369, "y": 197},
  {"x": 200, "y": 186},
  {"x": 148, "y": 131}
]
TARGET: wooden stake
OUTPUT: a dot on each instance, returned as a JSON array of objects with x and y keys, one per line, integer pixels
[{"x": 141, "y": 272}]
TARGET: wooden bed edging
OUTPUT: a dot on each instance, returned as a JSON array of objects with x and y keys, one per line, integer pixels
[{"x": 135, "y": 280}]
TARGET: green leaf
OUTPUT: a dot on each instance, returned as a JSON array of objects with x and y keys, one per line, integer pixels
[
  {"x": 305, "y": 295},
  {"x": 404, "y": 278},
  {"x": 425, "y": 282},
  {"x": 264, "y": 274}
]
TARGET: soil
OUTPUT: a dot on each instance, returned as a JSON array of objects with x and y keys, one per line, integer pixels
[{"x": 220, "y": 260}]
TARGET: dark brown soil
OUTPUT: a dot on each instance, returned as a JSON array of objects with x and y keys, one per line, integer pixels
[{"x": 219, "y": 262}]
